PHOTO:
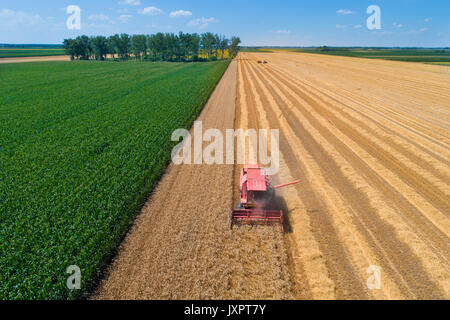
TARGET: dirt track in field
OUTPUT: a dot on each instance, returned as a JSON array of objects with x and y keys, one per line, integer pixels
[
  {"x": 34, "y": 59},
  {"x": 370, "y": 141}
]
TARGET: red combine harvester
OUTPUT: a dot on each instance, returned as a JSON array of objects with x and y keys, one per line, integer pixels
[{"x": 256, "y": 196}]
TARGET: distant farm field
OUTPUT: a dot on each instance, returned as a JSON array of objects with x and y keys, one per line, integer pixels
[
  {"x": 82, "y": 145},
  {"x": 410, "y": 55},
  {"x": 254, "y": 49},
  {"x": 17, "y": 53}
]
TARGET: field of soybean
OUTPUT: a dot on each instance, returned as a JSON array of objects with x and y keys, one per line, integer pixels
[{"x": 82, "y": 145}]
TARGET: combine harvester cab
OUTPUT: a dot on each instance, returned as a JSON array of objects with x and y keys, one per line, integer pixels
[{"x": 256, "y": 194}]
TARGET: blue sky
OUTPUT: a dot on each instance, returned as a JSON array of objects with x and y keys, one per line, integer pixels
[{"x": 270, "y": 23}]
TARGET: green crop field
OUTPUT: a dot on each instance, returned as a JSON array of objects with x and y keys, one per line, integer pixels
[
  {"x": 82, "y": 145},
  {"x": 16, "y": 53},
  {"x": 410, "y": 55}
]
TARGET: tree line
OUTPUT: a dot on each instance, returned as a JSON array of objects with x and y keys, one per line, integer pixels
[{"x": 155, "y": 47}]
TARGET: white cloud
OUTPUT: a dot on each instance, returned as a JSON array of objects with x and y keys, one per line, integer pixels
[
  {"x": 131, "y": 2},
  {"x": 345, "y": 11},
  {"x": 158, "y": 26},
  {"x": 180, "y": 13},
  {"x": 11, "y": 18},
  {"x": 397, "y": 25},
  {"x": 340, "y": 26},
  {"x": 283, "y": 31},
  {"x": 414, "y": 31},
  {"x": 201, "y": 23},
  {"x": 358, "y": 26},
  {"x": 124, "y": 18},
  {"x": 151, "y": 11},
  {"x": 384, "y": 33},
  {"x": 428, "y": 20},
  {"x": 98, "y": 17}
]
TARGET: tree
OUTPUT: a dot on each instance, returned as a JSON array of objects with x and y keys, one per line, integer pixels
[
  {"x": 161, "y": 46},
  {"x": 216, "y": 45},
  {"x": 86, "y": 47},
  {"x": 157, "y": 45},
  {"x": 112, "y": 41},
  {"x": 223, "y": 45},
  {"x": 171, "y": 43},
  {"x": 69, "y": 48},
  {"x": 139, "y": 44},
  {"x": 123, "y": 45},
  {"x": 207, "y": 40},
  {"x": 184, "y": 45},
  {"x": 234, "y": 47},
  {"x": 194, "y": 46},
  {"x": 82, "y": 47},
  {"x": 100, "y": 47},
  {"x": 149, "y": 45}
]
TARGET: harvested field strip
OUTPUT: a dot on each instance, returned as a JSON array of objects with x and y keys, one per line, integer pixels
[
  {"x": 398, "y": 160},
  {"x": 439, "y": 220},
  {"x": 315, "y": 286},
  {"x": 413, "y": 98},
  {"x": 365, "y": 138},
  {"x": 319, "y": 211},
  {"x": 397, "y": 79},
  {"x": 329, "y": 243},
  {"x": 354, "y": 100},
  {"x": 388, "y": 133},
  {"x": 386, "y": 197}
]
